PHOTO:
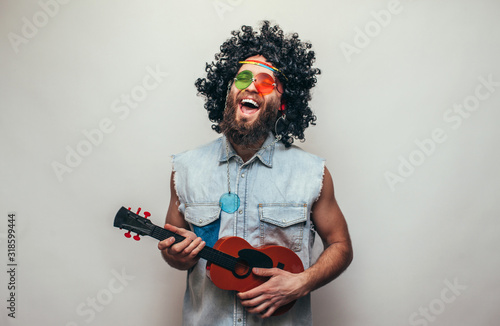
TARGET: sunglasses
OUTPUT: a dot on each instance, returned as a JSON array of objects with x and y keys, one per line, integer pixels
[{"x": 264, "y": 83}]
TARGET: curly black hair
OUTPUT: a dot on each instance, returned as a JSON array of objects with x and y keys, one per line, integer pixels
[{"x": 289, "y": 54}]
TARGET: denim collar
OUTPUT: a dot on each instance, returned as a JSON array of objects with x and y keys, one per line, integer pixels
[{"x": 265, "y": 154}]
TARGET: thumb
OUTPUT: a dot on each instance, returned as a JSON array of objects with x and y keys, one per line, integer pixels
[{"x": 264, "y": 271}]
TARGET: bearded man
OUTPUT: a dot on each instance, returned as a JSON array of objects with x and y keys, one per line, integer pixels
[{"x": 254, "y": 184}]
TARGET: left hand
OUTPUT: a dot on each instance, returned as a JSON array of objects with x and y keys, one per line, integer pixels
[{"x": 281, "y": 288}]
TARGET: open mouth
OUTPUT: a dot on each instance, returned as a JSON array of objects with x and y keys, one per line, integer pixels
[{"x": 249, "y": 106}]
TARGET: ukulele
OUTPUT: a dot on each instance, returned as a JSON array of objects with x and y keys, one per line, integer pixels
[{"x": 229, "y": 262}]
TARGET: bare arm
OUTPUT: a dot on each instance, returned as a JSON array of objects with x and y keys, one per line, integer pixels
[
  {"x": 183, "y": 254},
  {"x": 332, "y": 228},
  {"x": 284, "y": 287}
]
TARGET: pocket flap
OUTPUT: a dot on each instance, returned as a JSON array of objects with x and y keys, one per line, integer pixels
[
  {"x": 283, "y": 215},
  {"x": 201, "y": 214}
]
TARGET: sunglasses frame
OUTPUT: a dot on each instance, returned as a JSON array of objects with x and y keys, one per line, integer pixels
[{"x": 254, "y": 80}]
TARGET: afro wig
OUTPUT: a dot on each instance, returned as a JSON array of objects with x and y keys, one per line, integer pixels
[{"x": 289, "y": 54}]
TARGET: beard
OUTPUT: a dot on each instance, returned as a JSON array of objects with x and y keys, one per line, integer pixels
[{"x": 244, "y": 132}]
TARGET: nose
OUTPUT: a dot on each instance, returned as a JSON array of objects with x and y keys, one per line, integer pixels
[{"x": 251, "y": 87}]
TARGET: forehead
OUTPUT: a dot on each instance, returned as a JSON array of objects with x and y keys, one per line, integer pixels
[{"x": 256, "y": 69}]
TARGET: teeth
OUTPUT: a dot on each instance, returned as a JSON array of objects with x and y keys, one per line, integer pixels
[{"x": 250, "y": 101}]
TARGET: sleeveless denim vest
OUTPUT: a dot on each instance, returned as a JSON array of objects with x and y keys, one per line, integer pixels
[{"x": 277, "y": 188}]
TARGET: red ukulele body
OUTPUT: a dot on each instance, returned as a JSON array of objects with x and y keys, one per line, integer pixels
[{"x": 242, "y": 279}]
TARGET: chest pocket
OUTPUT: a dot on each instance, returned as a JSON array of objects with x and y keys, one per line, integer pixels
[
  {"x": 204, "y": 220},
  {"x": 283, "y": 224}
]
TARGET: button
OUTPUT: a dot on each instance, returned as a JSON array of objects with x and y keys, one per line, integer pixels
[
  {"x": 240, "y": 211},
  {"x": 239, "y": 320},
  {"x": 284, "y": 221},
  {"x": 201, "y": 220},
  {"x": 243, "y": 175}
]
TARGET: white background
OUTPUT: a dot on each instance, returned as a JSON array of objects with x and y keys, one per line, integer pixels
[{"x": 424, "y": 219}]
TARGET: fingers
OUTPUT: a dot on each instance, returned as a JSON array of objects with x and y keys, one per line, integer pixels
[
  {"x": 183, "y": 254},
  {"x": 265, "y": 271},
  {"x": 266, "y": 298},
  {"x": 264, "y": 305},
  {"x": 173, "y": 228},
  {"x": 164, "y": 244},
  {"x": 189, "y": 247},
  {"x": 192, "y": 249},
  {"x": 268, "y": 272},
  {"x": 254, "y": 298},
  {"x": 265, "y": 310},
  {"x": 260, "y": 299}
]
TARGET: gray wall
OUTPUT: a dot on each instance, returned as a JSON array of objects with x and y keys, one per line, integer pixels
[{"x": 95, "y": 96}]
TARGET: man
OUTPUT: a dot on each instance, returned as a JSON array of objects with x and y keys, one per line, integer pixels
[{"x": 252, "y": 183}]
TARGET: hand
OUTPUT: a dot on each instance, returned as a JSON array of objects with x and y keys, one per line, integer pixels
[
  {"x": 281, "y": 288},
  {"x": 182, "y": 255}
]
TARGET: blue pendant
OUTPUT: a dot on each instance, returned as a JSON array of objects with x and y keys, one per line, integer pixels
[{"x": 229, "y": 202}]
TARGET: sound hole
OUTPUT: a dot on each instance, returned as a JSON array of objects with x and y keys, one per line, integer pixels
[
  {"x": 248, "y": 259},
  {"x": 241, "y": 269}
]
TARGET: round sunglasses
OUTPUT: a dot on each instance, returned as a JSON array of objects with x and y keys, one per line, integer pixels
[{"x": 264, "y": 83}]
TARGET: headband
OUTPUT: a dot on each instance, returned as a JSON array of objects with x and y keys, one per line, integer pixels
[{"x": 263, "y": 64}]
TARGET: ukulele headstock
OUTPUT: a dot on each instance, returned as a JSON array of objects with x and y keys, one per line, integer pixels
[{"x": 133, "y": 222}]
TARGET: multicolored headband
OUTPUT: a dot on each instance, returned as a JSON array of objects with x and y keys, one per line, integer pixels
[{"x": 263, "y": 64}]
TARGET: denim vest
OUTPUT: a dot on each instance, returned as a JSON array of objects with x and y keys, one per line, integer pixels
[{"x": 277, "y": 188}]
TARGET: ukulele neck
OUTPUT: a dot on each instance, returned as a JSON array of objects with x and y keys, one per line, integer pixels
[{"x": 210, "y": 254}]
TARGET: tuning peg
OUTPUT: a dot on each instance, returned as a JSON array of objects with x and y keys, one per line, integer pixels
[
  {"x": 146, "y": 214},
  {"x": 137, "y": 237}
]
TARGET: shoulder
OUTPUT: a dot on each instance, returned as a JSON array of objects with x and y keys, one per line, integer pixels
[
  {"x": 306, "y": 169},
  {"x": 209, "y": 149},
  {"x": 299, "y": 155}
]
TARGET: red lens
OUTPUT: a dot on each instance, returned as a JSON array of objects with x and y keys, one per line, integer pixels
[{"x": 264, "y": 83}]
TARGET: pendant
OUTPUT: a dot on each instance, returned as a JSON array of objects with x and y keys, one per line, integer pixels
[{"x": 229, "y": 202}]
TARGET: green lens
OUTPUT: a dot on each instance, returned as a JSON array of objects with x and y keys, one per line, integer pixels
[{"x": 243, "y": 79}]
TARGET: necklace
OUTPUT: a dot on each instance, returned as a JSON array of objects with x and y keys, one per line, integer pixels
[{"x": 230, "y": 202}]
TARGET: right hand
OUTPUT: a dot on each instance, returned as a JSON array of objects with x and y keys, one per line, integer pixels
[{"x": 182, "y": 255}]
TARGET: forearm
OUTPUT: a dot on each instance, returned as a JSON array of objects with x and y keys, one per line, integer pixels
[{"x": 331, "y": 263}]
